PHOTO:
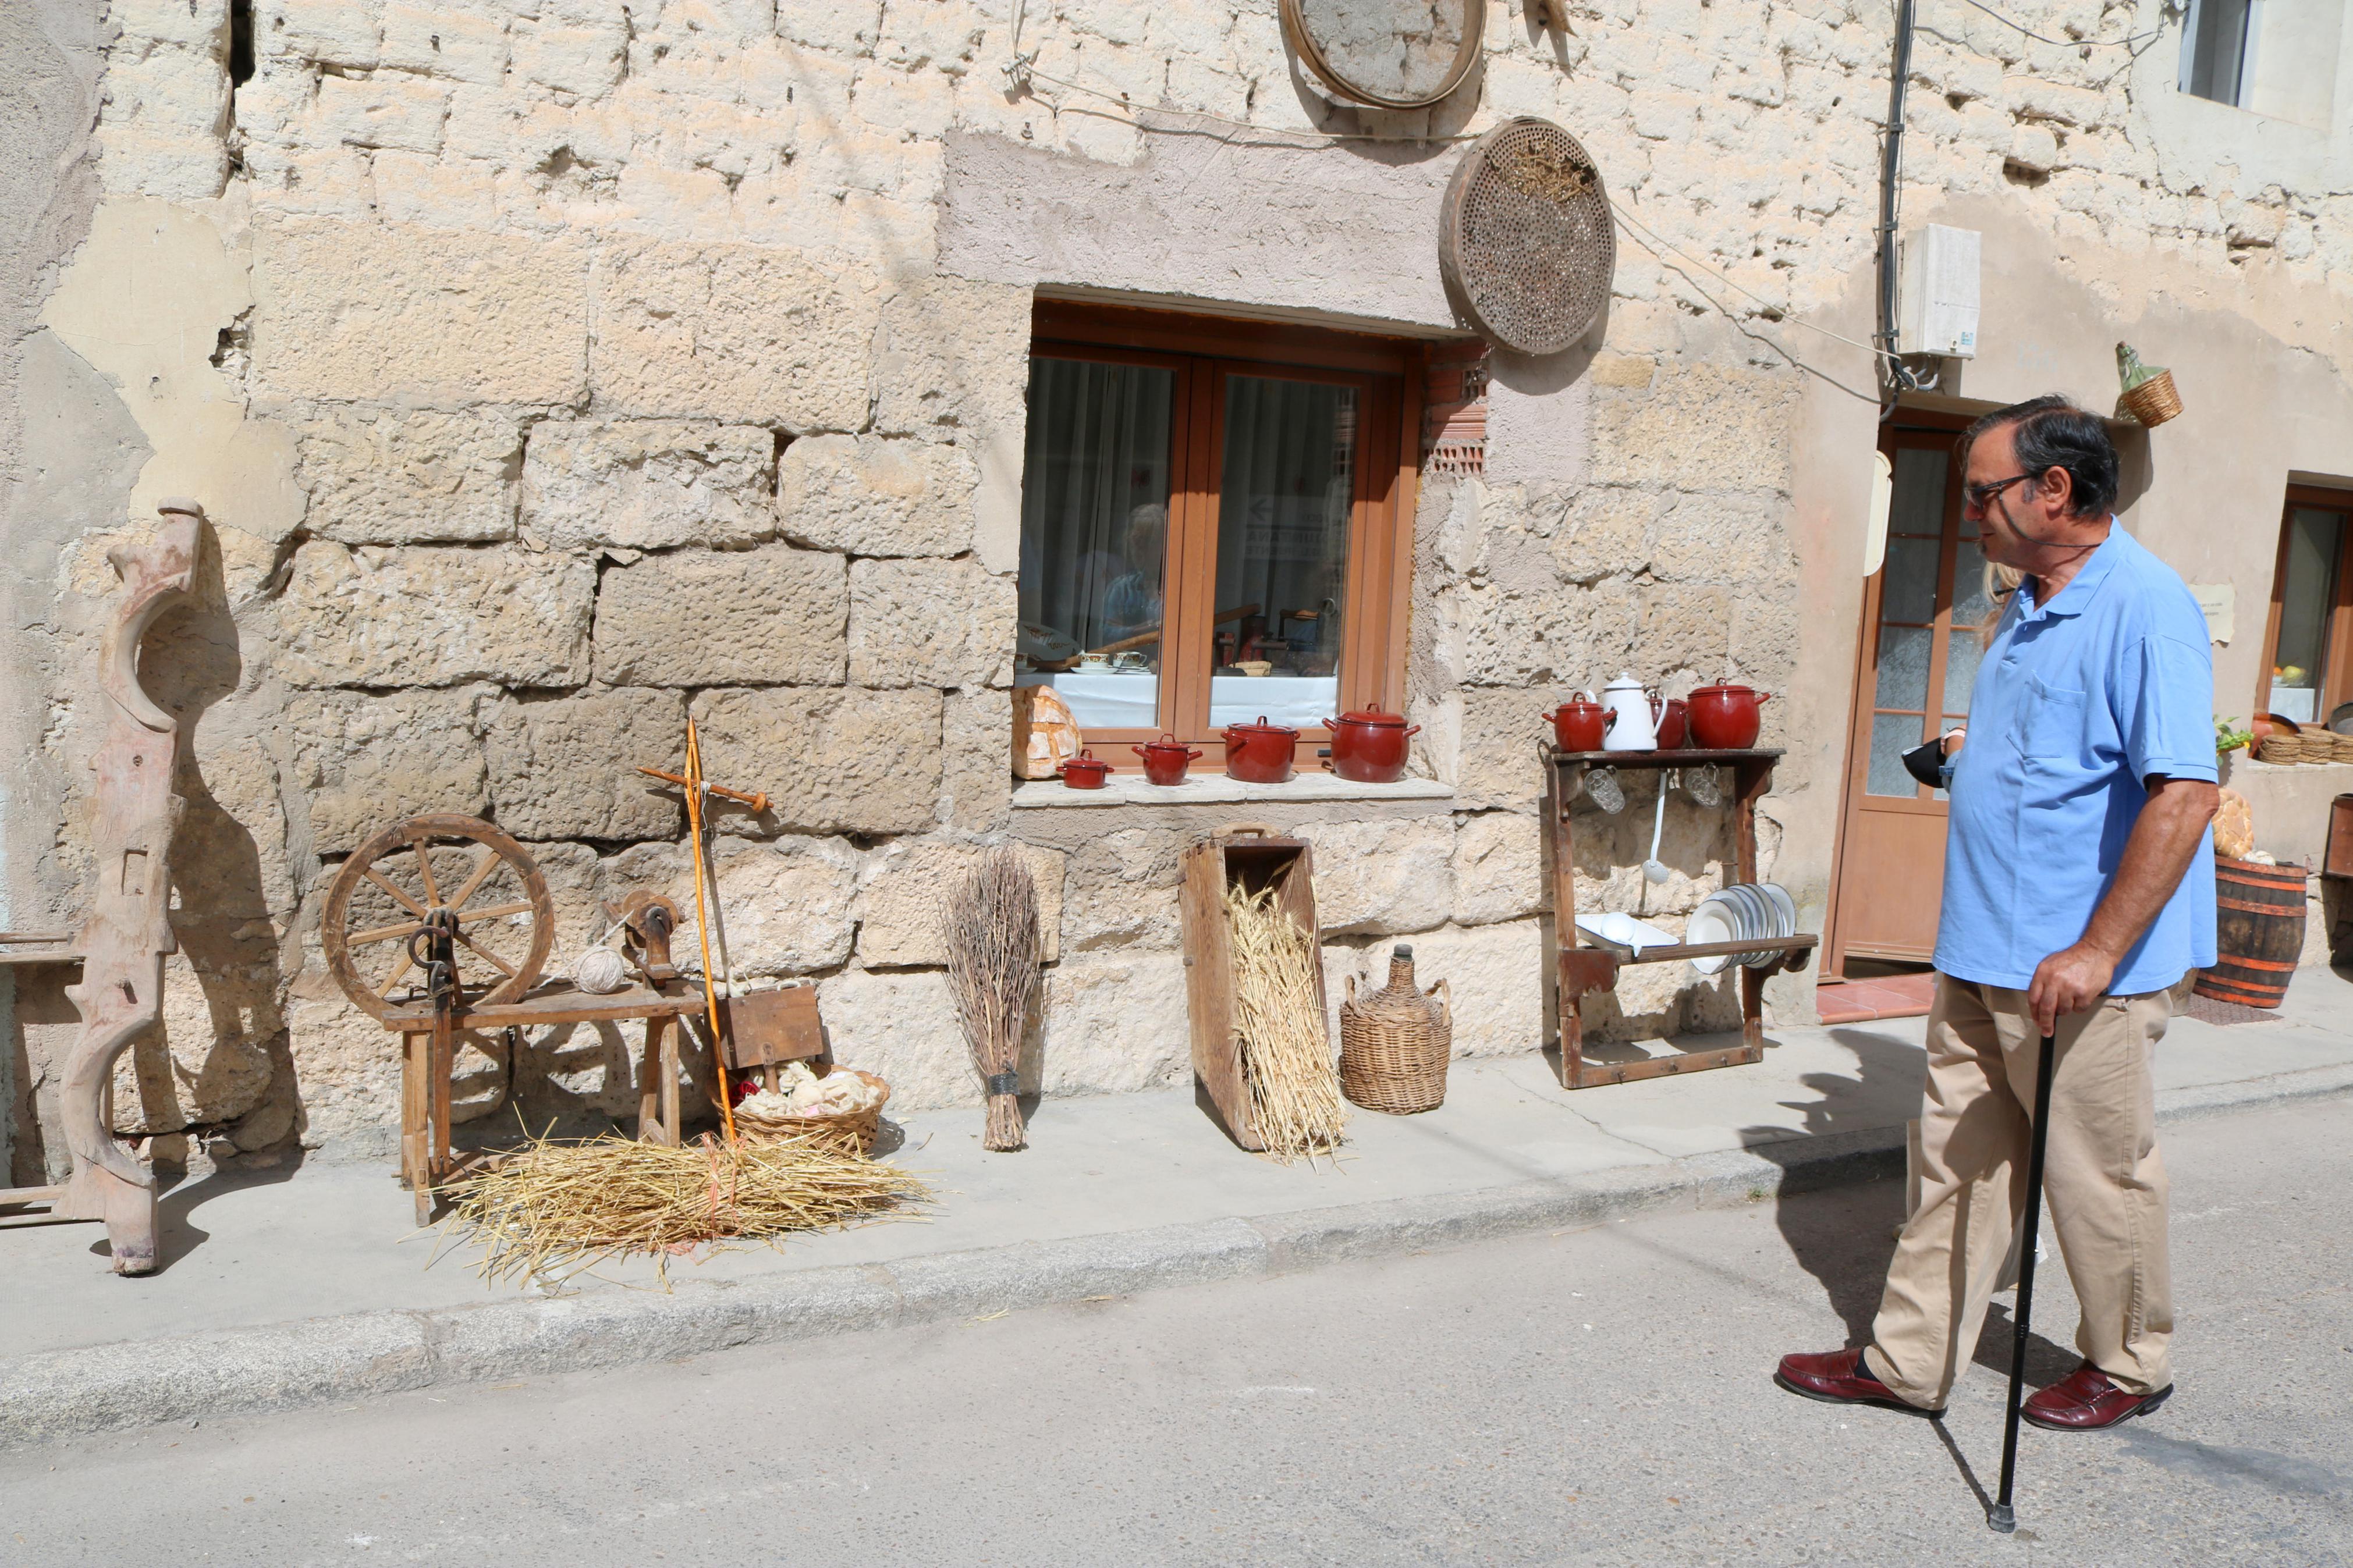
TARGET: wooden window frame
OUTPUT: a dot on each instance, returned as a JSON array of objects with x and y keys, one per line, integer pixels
[
  {"x": 1203, "y": 350},
  {"x": 2336, "y": 680}
]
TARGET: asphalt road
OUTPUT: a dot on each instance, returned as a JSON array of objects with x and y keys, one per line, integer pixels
[{"x": 1596, "y": 1396}]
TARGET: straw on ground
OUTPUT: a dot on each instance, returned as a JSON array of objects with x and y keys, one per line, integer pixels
[{"x": 1286, "y": 1052}]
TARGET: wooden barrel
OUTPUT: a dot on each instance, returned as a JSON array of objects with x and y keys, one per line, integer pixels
[{"x": 2258, "y": 933}]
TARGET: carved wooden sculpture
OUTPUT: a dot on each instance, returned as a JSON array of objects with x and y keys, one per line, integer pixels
[{"x": 128, "y": 930}]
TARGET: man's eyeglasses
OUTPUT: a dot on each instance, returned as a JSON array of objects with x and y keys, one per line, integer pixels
[{"x": 1981, "y": 496}]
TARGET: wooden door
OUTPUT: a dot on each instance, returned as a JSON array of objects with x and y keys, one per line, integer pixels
[{"x": 1919, "y": 650}]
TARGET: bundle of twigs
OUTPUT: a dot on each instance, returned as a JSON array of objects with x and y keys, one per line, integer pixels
[
  {"x": 991, "y": 925},
  {"x": 1286, "y": 1050},
  {"x": 553, "y": 1209}
]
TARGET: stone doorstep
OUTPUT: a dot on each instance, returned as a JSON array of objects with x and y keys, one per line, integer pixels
[{"x": 50, "y": 1395}]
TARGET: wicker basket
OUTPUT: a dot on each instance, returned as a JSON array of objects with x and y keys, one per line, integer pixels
[
  {"x": 2154, "y": 401},
  {"x": 1394, "y": 1043},
  {"x": 2282, "y": 748},
  {"x": 860, "y": 1127}
]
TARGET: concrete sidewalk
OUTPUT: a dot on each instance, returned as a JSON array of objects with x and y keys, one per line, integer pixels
[{"x": 313, "y": 1285}]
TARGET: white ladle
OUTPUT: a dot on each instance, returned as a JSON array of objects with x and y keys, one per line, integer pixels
[{"x": 1653, "y": 868}]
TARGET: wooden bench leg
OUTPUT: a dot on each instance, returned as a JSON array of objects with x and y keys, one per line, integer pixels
[
  {"x": 650, "y": 1057},
  {"x": 670, "y": 1065}
]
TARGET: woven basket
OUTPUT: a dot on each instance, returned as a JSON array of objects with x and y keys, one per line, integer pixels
[
  {"x": 2282, "y": 748},
  {"x": 1395, "y": 1042},
  {"x": 857, "y": 1126},
  {"x": 2154, "y": 401}
]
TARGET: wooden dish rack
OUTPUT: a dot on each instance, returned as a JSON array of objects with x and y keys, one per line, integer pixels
[{"x": 1584, "y": 963}]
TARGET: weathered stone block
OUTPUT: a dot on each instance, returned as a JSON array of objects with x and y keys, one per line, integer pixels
[
  {"x": 832, "y": 761},
  {"x": 209, "y": 1061},
  {"x": 1120, "y": 891},
  {"x": 871, "y": 496},
  {"x": 347, "y": 1067},
  {"x": 741, "y": 617},
  {"x": 1112, "y": 1022},
  {"x": 445, "y": 41},
  {"x": 375, "y": 616},
  {"x": 902, "y": 1027},
  {"x": 382, "y": 477},
  {"x": 1498, "y": 869},
  {"x": 647, "y": 484},
  {"x": 1701, "y": 426},
  {"x": 331, "y": 32},
  {"x": 905, "y": 887},
  {"x": 976, "y": 784},
  {"x": 1382, "y": 876},
  {"x": 786, "y": 907},
  {"x": 357, "y": 762},
  {"x": 742, "y": 332},
  {"x": 1500, "y": 731},
  {"x": 361, "y": 311},
  {"x": 583, "y": 61},
  {"x": 232, "y": 839},
  {"x": 1494, "y": 974},
  {"x": 931, "y": 623},
  {"x": 567, "y": 767},
  {"x": 379, "y": 111}
]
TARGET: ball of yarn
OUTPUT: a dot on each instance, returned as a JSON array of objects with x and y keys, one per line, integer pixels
[{"x": 600, "y": 971}]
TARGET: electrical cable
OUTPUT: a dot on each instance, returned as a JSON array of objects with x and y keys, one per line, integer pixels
[{"x": 2064, "y": 43}]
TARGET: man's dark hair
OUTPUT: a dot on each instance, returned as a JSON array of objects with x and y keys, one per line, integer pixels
[{"x": 2054, "y": 433}]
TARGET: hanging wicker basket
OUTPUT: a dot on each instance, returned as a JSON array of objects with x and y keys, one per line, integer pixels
[
  {"x": 2154, "y": 401},
  {"x": 1395, "y": 1042}
]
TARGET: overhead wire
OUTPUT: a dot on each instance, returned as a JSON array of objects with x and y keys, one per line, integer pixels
[{"x": 2064, "y": 43}]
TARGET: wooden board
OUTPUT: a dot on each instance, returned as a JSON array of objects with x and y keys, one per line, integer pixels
[
  {"x": 767, "y": 1029},
  {"x": 1254, "y": 860}
]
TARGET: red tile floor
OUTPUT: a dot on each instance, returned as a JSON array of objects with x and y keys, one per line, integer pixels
[{"x": 1861, "y": 999}]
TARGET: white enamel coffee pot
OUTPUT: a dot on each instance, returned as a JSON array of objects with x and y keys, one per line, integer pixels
[{"x": 1631, "y": 728}]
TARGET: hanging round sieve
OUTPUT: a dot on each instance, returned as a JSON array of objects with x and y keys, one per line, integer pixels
[
  {"x": 1386, "y": 54},
  {"x": 1525, "y": 237}
]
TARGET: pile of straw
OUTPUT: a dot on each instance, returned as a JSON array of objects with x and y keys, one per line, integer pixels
[
  {"x": 1287, "y": 1064},
  {"x": 553, "y": 1209}
]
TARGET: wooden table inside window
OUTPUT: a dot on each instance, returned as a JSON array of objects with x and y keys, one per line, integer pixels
[
  {"x": 1585, "y": 962},
  {"x": 426, "y": 1161}
]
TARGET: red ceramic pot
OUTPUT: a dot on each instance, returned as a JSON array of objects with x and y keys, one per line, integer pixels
[
  {"x": 1164, "y": 760},
  {"x": 1673, "y": 718},
  {"x": 1083, "y": 772},
  {"x": 1579, "y": 726},
  {"x": 1369, "y": 746},
  {"x": 1259, "y": 752},
  {"x": 1726, "y": 718}
]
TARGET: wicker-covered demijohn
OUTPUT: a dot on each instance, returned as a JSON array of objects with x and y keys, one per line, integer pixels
[{"x": 1394, "y": 1042}]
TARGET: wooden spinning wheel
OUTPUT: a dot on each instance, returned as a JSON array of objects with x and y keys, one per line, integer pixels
[{"x": 386, "y": 893}]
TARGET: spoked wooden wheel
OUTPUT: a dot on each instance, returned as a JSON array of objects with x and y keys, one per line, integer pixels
[{"x": 506, "y": 921}]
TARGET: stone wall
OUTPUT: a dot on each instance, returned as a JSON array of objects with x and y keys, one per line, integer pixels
[{"x": 552, "y": 370}]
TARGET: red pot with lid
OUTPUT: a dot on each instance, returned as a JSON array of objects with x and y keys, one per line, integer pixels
[
  {"x": 1084, "y": 771},
  {"x": 1726, "y": 718},
  {"x": 1259, "y": 752},
  {"x": 1164, "y": 760},
  {"x": 1673, "y": 718},
  {"x": 1368, "y": 746},
  {"x": 1579, "y": 724}
]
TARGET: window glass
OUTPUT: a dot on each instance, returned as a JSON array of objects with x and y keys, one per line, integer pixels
[
  {"x": 2216, "y": 40},
  {"x": 1908, "y": 593},
  {"x": 1916, "y": 503},
  {"x": 1094, "y": 535},
  {"x": 2307, "y": 588},
  {"x": 1284, "y": 506},
  {"x": 1891, "y": 736},
  {"x": 1903, "y": 667}
]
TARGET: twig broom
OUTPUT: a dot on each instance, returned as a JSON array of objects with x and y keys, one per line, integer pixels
[{"x": 991, "y": 923}]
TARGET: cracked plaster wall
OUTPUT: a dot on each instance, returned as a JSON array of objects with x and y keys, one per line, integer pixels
[{"x": 550, "y": 369}]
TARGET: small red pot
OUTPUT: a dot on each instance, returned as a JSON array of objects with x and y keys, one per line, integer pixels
[
  {"x": 1164, "y": 760},
  {"x": 1726, "y": 718},
  {"x": 1083, "y": 772},
  {"x": 1579, "y": 726},
  {"x": 1672, "y": 718},
  {"x": 1259, "y": 752},
  {"x": 1369, "y": 746}
]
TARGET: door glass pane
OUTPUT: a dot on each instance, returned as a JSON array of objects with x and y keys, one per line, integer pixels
[
  {"x": 1917, "y": 503},
  {"x": 2307, "y": 587},
  {"x": 1891, "y": 736},
  {"x": 1095, "y": 531},
  {"x": 1903, "y": 667},
  {"x": 1963, "y": 649},
  {"x": 1283, "y": 506},
  {"x": 1971, "y": 603},
  {"x": 1909, "y": 590}
]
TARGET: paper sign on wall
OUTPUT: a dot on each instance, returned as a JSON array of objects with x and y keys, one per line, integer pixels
[{"x": 2220, "y": 601}]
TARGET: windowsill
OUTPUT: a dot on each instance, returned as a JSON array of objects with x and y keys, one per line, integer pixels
[{"x": 1216, "y": 789}]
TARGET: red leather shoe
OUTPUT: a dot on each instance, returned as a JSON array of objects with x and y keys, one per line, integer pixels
[
  {"x": 1840, "y": 1377},
  {"x": 2085, "y": 1400}
]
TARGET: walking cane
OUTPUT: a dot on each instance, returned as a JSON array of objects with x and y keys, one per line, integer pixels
[{"x": 2001, "y": 1517}]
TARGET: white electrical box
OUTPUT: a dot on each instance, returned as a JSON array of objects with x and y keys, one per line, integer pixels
[{"x": 1939, "y": 285}]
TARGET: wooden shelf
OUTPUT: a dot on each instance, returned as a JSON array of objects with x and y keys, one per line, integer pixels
[
  {"x": 1653, "y": 953},
  {"x": 1683, "y": 757}
]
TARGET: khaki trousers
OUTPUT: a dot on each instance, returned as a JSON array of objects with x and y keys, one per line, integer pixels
[{"x": 2104, "y": 1183}]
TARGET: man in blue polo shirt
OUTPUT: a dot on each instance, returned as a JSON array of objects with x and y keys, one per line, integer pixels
[{"x": 2079, "y": 886}]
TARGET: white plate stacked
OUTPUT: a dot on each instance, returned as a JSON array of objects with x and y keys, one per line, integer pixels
[{"x": 1744, "y": 911}]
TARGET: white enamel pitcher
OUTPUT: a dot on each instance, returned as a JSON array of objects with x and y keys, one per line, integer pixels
[{"x": 1631, "y": 727}]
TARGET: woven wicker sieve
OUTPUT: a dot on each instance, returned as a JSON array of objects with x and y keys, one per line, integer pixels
[
  {"x": 1392, "y": 54},
  {"x": 1394, "y": 1043},
  {"x": 1526, "y": 239}
]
